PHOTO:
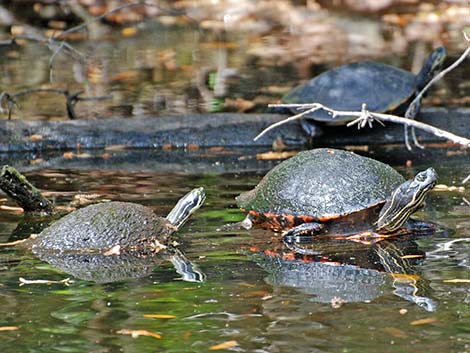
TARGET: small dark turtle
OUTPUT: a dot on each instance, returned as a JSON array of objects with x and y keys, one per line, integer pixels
[
  {"x": 117, "y": 229},
  {"x": 382, "y": 87},
  {"x": 335, "y": 193}
]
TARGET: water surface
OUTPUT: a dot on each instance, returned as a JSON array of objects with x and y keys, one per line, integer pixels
[{"x": 344, "y": 300}]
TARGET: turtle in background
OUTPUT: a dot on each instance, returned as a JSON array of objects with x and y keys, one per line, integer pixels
[{"x": 383, "y": 88}]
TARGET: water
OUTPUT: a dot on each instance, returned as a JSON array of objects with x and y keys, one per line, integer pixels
[
  {"x": 253, "y": 295},
  {"x": 352, "y": 298}
]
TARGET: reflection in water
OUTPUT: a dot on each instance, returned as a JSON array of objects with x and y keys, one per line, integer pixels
[
  {"x": 100, "y": 268},
  {"x": 350, "y": 272}
]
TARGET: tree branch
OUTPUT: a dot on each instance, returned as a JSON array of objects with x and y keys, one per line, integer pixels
[{"x": 366, "y": 117}]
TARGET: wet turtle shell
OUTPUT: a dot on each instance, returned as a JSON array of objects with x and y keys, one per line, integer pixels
[
  {"x": 101, "y": 226},
  {"x": 127, "y": 226},
  {"x": 320, "y": 185},
  {"x": 382, "y": 87}
]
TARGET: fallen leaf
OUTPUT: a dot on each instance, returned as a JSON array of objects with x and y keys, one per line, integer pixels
[
  {"x": 137, "y": 333},
  {"x": 224, "y": 345},
  {"x": 68, "y": 155},
  {"x": 36, "y": 161},
  {"x": 13, "y": 243},
  {"x": 35, "y": 137},
  {"x": 275, "y": 155},
  {"x": 192, "y": 147},
  {"x": 428, "y": 320},
  {"x": 125, "y": 76},
  {"x": 9, "y": 328},
  {"x": 456, "y": 280},
  {"x": 443, "y": 187},
  {"x": 11, "y": 208},
  {"x": 159, "y": 316},
  {"x": 395, "y": 332},
  {"x": 115, "y": 148},
  {"x": 115, "y": 250},
  {"x": 129, "y": 31},
  {"x": 65, "y": 281}
]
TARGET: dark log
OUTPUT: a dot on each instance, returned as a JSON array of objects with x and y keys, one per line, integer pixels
[{"x": 17, "y": 187}]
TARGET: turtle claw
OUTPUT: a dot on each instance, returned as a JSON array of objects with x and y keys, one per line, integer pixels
[{"x": 302, "y": 233}]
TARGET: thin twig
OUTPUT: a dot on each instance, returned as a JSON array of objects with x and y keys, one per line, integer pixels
[
  {"x": 99, "y": 18},
  {"x": 466, "y": 179},
  {"x": 312, "y": 107},
  {"x": 369, "y": 116},
  {"x": 67, "y": 281},
  {"x": 71, "y": 99},
  {"x": 444, "y": 72}
]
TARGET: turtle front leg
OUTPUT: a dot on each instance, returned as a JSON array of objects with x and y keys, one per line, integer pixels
[{"x": 302, "y": 233}]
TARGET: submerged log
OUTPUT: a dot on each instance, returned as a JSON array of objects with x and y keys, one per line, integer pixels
[
  {"x": 207, "y": 130},
  {"x": 17, "y": 187}
]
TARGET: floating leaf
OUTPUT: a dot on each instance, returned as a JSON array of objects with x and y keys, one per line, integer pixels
[
  {"x": 275, "y": 155},
  {"x": 457, "y": 280},
  {"x": 159, "y": 316},
  {"x": 137, "y": 333},
  {"x": 428, "y": 320},
  {"x": 115, "y": 148},
  {"x": 129, "y": 31},
  {"x": 395, "y": 332},
  {"x": 9, "y": 328},
  {"x": 36, "y": 137},
  {"x": 224, "y": 345}
]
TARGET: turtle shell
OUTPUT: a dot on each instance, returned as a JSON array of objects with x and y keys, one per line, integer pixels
[
  {"x": 382, "y": 87},
  {"x": 101, "y": 226},
  {"x": 320, "y": 185}
]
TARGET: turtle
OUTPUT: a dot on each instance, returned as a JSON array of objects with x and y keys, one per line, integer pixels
[
  {"x": 383, "y": 88},
  {"x": 335, "y": 193},
  {"x": 104, "y": 233}
]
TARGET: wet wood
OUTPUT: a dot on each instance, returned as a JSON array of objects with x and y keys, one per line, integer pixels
[
  {"x": 207, "y": 130},
  {"x": 17, "y": 187}
]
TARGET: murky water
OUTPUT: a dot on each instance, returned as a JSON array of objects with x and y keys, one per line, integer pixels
[
  {"x": 390, "y": 297},
  {"x": 187, "y": 68}
]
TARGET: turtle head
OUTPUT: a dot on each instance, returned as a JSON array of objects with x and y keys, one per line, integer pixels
[
  {"x": 186, "y": 206},
  {"x": 405, "y": 200},
  {"x": 431, "y": 66}
]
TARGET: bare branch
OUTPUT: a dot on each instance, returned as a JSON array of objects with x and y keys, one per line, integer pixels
[
  {"x": 364, "y": 117},
  {"x": 311, "y": 108},
  {"x": 71, "y": 99},
  {"x": 99, "y": 18},
  {"x": 441, "y": 74}
]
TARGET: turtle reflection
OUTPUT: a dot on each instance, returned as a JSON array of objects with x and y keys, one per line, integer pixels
[
  {"x": 349, "y": 272},
  {"x": 102, "y": 268}
]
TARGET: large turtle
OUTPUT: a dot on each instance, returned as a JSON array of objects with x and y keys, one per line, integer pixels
[
  {"x": 336, "y": 193},
  {"x": 382, "y": 87}
]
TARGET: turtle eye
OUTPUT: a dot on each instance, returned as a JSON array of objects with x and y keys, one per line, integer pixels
[{"x": 420, "y": 177}]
